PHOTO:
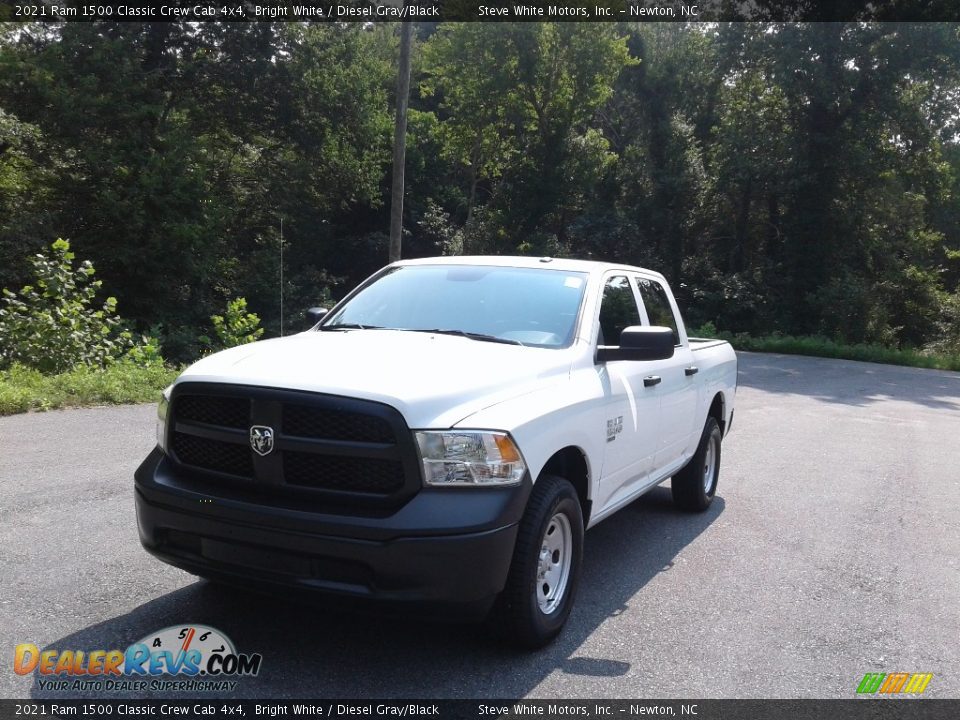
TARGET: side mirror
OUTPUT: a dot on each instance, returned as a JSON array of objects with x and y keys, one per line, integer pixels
[
  {"x": 316, "y": 314},
  {"x": 640, "y": 343}
]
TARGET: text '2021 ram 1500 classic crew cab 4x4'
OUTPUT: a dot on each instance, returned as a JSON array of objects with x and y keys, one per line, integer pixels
[{"x": 445, "y": 433}]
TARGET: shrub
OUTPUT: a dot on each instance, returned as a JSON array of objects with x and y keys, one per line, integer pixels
[
  {"x": 947, "y": 339},
  {"x": 235, "y": 327},
  {"x": 145, "y": 353},
  {"x": 53, "y": 326},
  {"x": 706, "y": 330}
]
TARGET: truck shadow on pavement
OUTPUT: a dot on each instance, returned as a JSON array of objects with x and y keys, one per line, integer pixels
[
  {"x": 311, "y": 650},
  {"x": 849, "y": 382}
]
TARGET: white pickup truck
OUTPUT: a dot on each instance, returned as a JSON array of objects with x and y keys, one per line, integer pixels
[{"x": 445, "y": 434}]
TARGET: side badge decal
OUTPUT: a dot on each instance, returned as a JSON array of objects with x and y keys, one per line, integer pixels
[{"x": 614, "y": 428}]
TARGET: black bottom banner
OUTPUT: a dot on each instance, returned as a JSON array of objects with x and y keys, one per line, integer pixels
[{"x": 854, "y": 709}]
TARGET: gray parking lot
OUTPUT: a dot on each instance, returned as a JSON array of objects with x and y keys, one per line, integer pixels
[{"x": 832, "y": 550}]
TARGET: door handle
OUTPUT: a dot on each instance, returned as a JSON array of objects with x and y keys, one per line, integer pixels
[
  {"x": 692, "y": 370},
  {"x": 651, "y": 380}
]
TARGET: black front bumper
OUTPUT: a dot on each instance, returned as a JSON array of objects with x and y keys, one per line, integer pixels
[{"x": 444, "y": 545}]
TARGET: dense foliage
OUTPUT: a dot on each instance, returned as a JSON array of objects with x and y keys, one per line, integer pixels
[
  {"x": 53, "y": 326},
  {"x": 794, "y": 178}
]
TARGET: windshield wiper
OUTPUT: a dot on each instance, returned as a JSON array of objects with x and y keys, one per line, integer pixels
[
  {"x": 471, "y": 335},
  {"x": 348, "y": 326}
]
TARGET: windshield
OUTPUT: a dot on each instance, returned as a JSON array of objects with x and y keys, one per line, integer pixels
[{"x": 528, "y": 306}]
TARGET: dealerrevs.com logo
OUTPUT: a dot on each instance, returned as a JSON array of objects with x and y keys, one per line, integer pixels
[{"x": 180, "y": 657}]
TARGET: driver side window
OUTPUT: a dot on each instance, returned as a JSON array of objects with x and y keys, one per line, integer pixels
[{"x": 618, "y": 310}]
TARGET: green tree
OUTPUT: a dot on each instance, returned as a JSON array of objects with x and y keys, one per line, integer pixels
[
  {"x": 180, "y": 146},
  {"x": 516, "y": 104},
  {"x": 656, "y": 120},
  {"x": 26, "y": 171},
  {"x": 798, "y": 177}
]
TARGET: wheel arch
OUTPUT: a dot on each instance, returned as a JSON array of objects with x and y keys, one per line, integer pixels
[
  {"x": 718, "y": 411},
  {"x": 571, "y": 464}
]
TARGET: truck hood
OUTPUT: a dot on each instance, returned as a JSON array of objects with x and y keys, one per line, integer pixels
[{"x": 434, "y": 380}]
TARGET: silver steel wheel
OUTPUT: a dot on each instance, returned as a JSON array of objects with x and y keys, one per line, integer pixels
[
  {"x": 553, "y": 568},
  {"x": 709, "y": 464}
]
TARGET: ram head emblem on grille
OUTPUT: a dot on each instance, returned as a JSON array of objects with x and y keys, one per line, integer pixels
[{"x": 261, "y": 439}]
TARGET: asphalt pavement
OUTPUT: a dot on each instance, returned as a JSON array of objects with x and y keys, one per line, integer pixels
[{"x": 831, "y": 550}]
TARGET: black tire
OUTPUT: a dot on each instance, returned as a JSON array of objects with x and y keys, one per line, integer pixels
[
  {"x": 530, "y": 610},
  {"x": 690, "y": 488}
]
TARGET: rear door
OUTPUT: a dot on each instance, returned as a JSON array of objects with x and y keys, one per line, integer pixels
[{"x": 677, "y": 385}]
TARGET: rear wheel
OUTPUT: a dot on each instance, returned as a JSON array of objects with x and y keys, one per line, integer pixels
[
  {"x": 545, "y": 571},
  {"x": 696, "y": 484}
]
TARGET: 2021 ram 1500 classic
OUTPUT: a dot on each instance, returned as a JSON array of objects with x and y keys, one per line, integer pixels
[{"x": 445, "y": 433}]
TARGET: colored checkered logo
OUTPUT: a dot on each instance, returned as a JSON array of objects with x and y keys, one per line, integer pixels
[{"x": 894, "y": 683}]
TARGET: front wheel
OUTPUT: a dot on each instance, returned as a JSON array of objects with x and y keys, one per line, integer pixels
[
  {"x": 695, "y": 485},
  {"x": 545, "y": 570}
]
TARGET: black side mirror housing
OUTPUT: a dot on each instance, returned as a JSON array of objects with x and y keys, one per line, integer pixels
[
  {"x": 316, "y": 314},
  {"x": 640, "y": 343}
]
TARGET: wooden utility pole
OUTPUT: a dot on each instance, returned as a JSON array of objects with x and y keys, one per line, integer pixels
[{"x": 400, "y": 140}]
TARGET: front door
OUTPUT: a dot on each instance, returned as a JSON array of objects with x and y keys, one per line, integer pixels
[{"x": 631, "y": 408}]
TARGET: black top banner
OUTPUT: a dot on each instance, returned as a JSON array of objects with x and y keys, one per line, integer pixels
[{"x": 483, "y": 10}]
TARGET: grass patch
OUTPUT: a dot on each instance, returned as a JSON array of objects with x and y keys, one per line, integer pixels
[
  {"x": 23, "y": 389},
  {"x": 824, "y": 347}
]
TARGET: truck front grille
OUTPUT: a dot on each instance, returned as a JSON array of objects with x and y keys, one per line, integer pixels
[
  {"x": 342, "y": 473},
  {"x": 331, "y": 424},
  {"x": 228, "y": 412},
  {"x": 334, "y": 448},
  {"x": 213, "y": 455}
]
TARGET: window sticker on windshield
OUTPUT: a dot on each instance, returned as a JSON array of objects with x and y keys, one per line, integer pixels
[{"x": 573, "y": 282}]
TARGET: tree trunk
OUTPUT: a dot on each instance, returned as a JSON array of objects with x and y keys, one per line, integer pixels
[
  {"x": 400, "y": 141},
  {"x": 473, "y": 192},
  {"x": 738, "y": 256}
]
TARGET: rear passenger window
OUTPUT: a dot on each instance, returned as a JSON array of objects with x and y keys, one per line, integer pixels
[
  {"x": 658, "y": 306},
  {"x": 618, "y": 310}
]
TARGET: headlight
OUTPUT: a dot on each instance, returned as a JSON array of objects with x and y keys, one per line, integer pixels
[
  {"x": 162, "y": 408},
  {"x": 469, "y": 457}
]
